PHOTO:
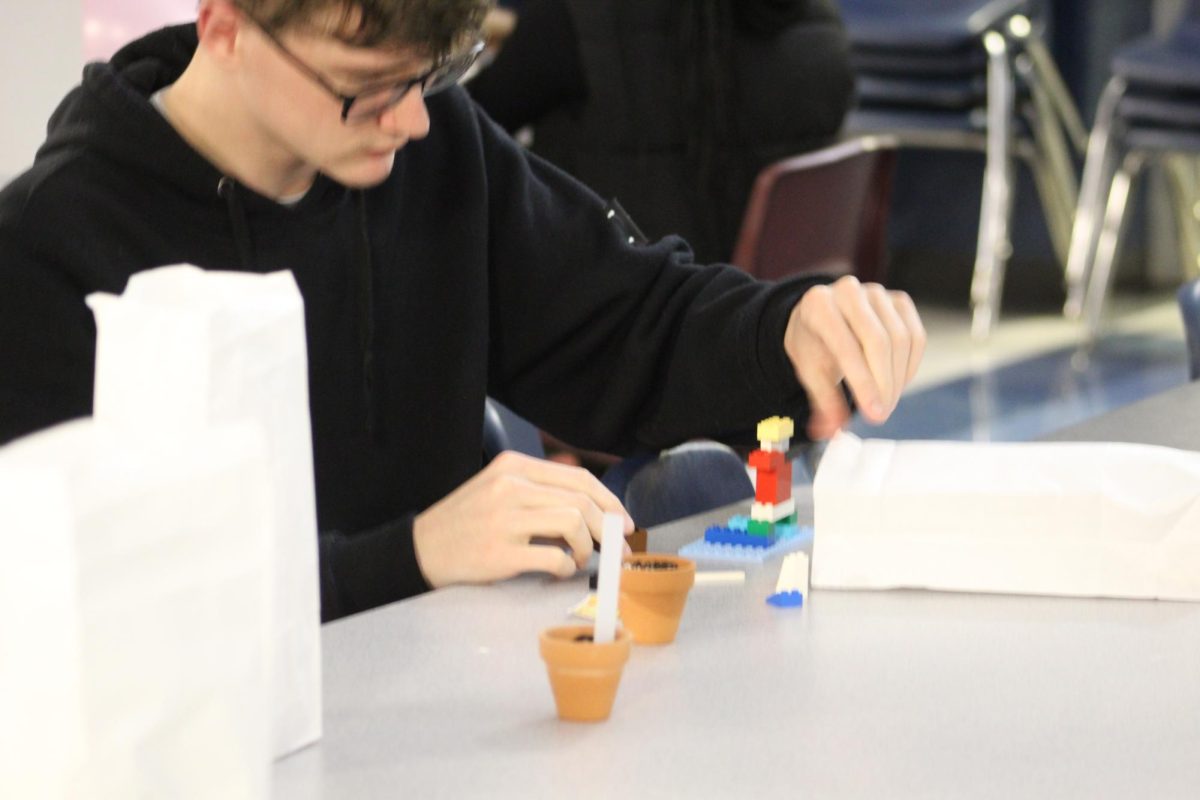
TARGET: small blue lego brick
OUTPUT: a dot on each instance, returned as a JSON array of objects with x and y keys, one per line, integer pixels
[
  {"x": 787, "y": 531},
  {"x": 739, "y": 522},
  {"x": 789, "y": 599}
]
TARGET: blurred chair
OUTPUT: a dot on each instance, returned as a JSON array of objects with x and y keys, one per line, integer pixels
[
  {"x": 1189, "y": 308},
  {"x": 1150, "y": 111},
  {"x": 972, "y": 75},
  {"x": 504, "y": 430},
  {"x": 822, "y": 211}
]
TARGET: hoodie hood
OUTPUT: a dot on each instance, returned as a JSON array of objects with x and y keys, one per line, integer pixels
[{"x": 110, "y": 114}]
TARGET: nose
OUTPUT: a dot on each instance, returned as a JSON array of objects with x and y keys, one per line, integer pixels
[{"x": 408, "y": 119}]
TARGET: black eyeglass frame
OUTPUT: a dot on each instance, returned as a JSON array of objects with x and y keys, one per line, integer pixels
[{"x": 451, "y": 69}]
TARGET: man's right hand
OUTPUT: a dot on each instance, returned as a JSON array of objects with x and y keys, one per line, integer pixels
[{"x": 483, "y": 530}]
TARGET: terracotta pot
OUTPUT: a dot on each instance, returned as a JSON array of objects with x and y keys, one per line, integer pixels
[
  {"x": 652, "y": 599},
  {"x": 583, "y": 675}
]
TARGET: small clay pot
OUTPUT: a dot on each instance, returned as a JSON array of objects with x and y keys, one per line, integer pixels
[
  {"x": 654, "y": 590},
  {"x": 583, "y": 675}
]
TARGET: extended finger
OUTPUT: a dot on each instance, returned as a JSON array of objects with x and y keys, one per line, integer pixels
[
  {"x": 871, "y": 340},
  {"x": 533, "y": 495},
  {"x": 543, "y": 558},
  {"x": 828, "y": 410},
  {"x": 566, "y": 477},
  {"x": 827, "y": 322},
  {"x": 916, "y": 331},
  {"x": 564, "y": 522},
  {"x": 897, "y": 331}
]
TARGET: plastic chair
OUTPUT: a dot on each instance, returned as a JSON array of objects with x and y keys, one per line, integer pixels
[
  {"x": 1150, "y": 111},
  {"x": 1189, "y": 309},
  {"x": 504, "y": 430},
  {"x": 972, "y": 75},
  {"x": 822, "y": 211}
]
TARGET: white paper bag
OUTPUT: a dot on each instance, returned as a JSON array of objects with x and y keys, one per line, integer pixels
[
  {"x": 183, "y": 348},
  {"x": 172, "y": 545},
  {"x": 41, "y": 715},
  {"x": 1079, "y": 519}
]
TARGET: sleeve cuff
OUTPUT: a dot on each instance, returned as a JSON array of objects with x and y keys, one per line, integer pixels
[{"x": 369, "y": 569}]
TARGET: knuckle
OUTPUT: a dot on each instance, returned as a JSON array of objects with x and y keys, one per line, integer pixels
[
  {"x": 505, "y": 458},
  {"x": 847, "y": 283}
]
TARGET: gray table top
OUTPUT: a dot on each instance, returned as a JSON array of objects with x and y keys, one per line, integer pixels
[
  {"x": 1171, "y": 418},
  {"x": 858, "y": 694}
]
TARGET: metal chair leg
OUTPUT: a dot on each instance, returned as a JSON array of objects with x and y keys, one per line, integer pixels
[
  {"x": 1108, "y": 243},
  {"x": 1098, "y": 173},
  {"x": 1053, "y": 203},
  {"x": 1185, "y": 191},
  {"x": 994, "y": 246},
  {"x": 1057, "y": 183},
  {"x": 1056, "y": 88}
]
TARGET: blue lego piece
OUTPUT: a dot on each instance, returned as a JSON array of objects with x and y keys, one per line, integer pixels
[
  {"x": 701, "y": 550},
  {"x": 739, "y": 522},
  {"x": 788, "y": 531},
  {"x": 789, "y": 599},
  {"x": 719, "y": 535}
]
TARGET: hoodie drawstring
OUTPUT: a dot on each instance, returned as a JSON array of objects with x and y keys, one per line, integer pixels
[{"x": 227, "y": 188}]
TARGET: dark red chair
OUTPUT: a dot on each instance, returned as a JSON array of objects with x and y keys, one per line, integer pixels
[{"x": 824, "y": 211}]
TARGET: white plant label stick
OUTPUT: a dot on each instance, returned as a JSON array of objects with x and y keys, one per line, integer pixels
[{"x": 608, "y": 584}]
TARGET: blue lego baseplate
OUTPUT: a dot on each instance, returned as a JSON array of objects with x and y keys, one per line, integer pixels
[{"x": 788, "y": 538}]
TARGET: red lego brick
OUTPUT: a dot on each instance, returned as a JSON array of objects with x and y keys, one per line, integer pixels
[
  {"x": 765, "y": 461},
  {"x": 774, "y": 487}
]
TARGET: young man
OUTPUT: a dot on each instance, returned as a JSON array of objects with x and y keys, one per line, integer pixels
[{"x": 438, "y": 263}]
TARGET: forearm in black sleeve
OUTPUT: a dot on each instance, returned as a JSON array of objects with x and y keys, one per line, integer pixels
[{"x": 368, "y": 569}]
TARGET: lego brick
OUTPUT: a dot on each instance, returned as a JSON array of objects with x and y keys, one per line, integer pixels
[
  {"x": 700, "y": 550},
  {"x": 708, "y": 577},
  {"x": 637, "y": 540},
  {"x": 757, "y": 527},
  {"x": 772, "y": 429},
  {"x": 720, "y": 535},
  {"x": 772, "y": 512},
  {"x": 776, "y": 447},
  {"x": 790, "y": 599},
  {"x": 790, "y": 530},
  {"x": 773, "y": 487},
  {"x": 793, "y": 574},
  {"x": 738, "y": 522},
  {"x": 766, "y": 461}
]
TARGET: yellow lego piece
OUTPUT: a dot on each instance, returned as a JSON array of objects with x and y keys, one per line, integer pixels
[{"x": 775, "y": 429}]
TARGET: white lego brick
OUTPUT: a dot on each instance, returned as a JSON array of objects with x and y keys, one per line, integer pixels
[
  {"x": 793, "y": 574},
  {"x": 773, "y": 512}
]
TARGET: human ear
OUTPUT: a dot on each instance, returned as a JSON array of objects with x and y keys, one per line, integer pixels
[{"x": 218, "y": 24}]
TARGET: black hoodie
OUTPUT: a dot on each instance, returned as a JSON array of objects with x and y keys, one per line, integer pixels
[{"x": 473, "y": 269}]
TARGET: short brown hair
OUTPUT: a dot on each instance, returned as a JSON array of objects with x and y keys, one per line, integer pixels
[{"x": 435, "y": 27}]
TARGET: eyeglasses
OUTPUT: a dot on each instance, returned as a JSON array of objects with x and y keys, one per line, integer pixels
[{"x": 374, "y": 100}]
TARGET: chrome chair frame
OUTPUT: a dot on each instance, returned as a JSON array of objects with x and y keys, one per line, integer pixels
[
  {"x": 1112, "y": 167},
  {"x": 1015, "y": 51}
]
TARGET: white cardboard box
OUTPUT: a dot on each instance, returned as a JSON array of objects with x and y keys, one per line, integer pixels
[{"x": 1074, "y": 519}]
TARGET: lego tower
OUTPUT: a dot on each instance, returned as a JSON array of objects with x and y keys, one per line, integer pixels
[{"x": 771, "y": 528}]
